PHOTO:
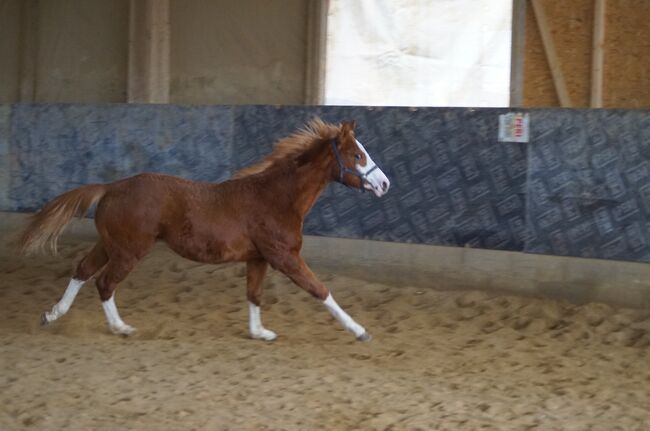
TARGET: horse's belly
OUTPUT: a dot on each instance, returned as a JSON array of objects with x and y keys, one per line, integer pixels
[{"x": 213, "y": 249}]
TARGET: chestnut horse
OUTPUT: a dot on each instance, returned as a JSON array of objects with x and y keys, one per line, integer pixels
[{"x": 256, "y": 217}]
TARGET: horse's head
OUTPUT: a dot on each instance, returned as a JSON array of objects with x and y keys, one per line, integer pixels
[{"x": 354, "y": 167}]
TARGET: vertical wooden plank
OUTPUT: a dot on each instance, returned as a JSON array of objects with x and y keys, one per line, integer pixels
[
  {"x": 136, "y": 82},
  {"x": 598, "y": 56},
  {"x": 517, "y": 53},
  {"x": 551, "y": 54},
  {"x": 28, "y": 51},
  {"x": 149, "y": 44},
  {"x": 160, "y": 47},
  {"x": 316, "y": 52}
]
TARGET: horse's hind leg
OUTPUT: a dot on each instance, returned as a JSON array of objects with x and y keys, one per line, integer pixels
[
  {"x": 256, "y": 269},
  {"x": 116, "y": 271},
  {"x": 86, "y": 268}
]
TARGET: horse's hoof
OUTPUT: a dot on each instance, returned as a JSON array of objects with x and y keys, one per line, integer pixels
[
  {"x": 265, "y": 335},
  {"x": 364, "y": 337},
  {"x": 125, "y": 330},
  {"x": 44, "y": 321}
]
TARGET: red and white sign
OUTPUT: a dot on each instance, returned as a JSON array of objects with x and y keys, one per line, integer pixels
[{"x": 513, "y": 127}]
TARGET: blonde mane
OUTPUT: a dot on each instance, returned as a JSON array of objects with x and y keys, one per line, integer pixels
[{"x": 315, "y": 131}]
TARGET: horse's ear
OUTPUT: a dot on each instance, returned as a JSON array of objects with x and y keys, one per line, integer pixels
[{"x": 348, "y": 126}]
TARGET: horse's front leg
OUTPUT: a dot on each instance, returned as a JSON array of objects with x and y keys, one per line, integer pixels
[
  {"x": 294, "y": 267},
  {"x": 255, "y": 271}
]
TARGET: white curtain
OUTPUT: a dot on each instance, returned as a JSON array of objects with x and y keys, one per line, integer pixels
[{"x": 418, "y": 52}]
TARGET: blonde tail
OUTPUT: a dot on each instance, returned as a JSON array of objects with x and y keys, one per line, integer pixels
[{"x": 47, "y": 225}]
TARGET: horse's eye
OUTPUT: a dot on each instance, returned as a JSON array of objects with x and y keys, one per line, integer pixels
[{"x": 358, "y": 156}]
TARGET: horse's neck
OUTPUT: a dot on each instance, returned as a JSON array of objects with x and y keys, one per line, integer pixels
[{"x": 311, "y": 180}]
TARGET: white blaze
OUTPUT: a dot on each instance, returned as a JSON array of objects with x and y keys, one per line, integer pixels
[{"x": 376, "y": 180}]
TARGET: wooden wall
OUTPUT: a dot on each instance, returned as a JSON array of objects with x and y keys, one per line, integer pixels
[{"x": 626, "y": 69}]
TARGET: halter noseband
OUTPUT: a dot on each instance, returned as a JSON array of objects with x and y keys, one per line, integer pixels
[{"x": 345, "y": 170}]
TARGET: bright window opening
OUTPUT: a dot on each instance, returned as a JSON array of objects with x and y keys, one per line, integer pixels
[{"x": 418, "y": 53}]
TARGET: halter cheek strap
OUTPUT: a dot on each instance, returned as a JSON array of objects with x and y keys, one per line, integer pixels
[{"x": 345, "y": 170}]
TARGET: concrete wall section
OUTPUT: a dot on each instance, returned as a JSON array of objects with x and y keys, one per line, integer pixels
[
  {"x": 447, "y": 268},
  {"x": 82, "y": 51},
  {"x": 10, "y": 20},
  {"x": 234, "y": 52},
  {"x": 222, "y": 51},
  {"x": 574, "y": 279}
]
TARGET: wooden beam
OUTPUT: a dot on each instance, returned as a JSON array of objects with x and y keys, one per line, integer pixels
[
  {"x": 598, "y": 55},
  {"x": 316, "y": 52},
  {"x": 517, "y": 53},
  {"x": 149, "y": 44},
  {"x": 551, "y": 54}
]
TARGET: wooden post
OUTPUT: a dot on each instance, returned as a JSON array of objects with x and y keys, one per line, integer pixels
[
  {"x": 28, "y": 51},
  {"x": 148, "y": 79},
  {"x": 598, "y": 54},
  {"x": 316, "y": 52},
  {"x": 551, "y": 55},
  {"x": 517, "y": 53}
]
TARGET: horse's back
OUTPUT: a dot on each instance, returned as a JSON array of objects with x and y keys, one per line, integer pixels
[
  {"x": 142, "y": 191},
  {"x": 138, "y": 207}
]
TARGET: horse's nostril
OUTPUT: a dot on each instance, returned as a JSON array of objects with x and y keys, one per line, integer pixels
[{"x": 384, "y": 185}]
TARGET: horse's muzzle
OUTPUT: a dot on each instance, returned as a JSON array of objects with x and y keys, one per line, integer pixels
[{"x": 377, "y": 182}]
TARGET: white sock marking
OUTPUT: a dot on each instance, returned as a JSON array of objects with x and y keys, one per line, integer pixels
[
  {"x": 258, "y": 331},
  {"x": 115, "y": 322},
  {"x": 62, "y": 307},
  {"x": 343, "y": 317}
]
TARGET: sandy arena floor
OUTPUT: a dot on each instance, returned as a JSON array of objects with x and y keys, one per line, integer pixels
[{"x": 438, "y": 360}]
